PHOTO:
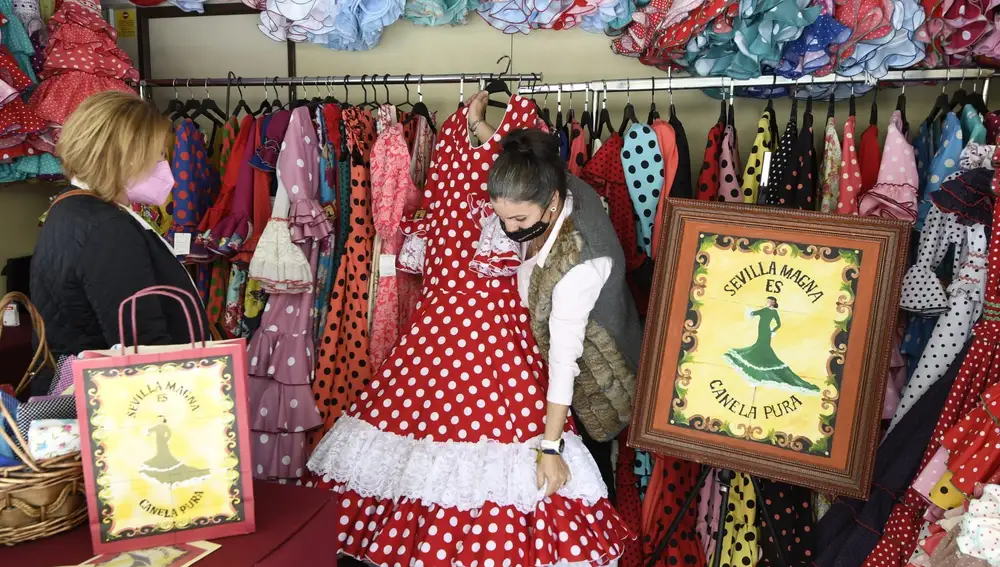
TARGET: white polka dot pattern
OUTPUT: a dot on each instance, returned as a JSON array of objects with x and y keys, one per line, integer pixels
[{"x": 457, "y": 402}]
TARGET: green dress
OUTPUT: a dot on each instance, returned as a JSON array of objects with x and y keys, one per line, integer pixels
[
  {"x": 164, "y": 467},
  {"x": 758, "y": 363}
]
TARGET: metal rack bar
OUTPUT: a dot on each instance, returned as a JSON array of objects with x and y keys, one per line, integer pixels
[
  {"x": 688, "y": 82},
  {"x": 377, "y": 80}
]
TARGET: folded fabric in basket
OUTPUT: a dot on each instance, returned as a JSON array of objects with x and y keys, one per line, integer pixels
[
  {"x": 11, "y": 403},
  {"x": 50, "y": 438},
  {"x": 44, "y": 407}
]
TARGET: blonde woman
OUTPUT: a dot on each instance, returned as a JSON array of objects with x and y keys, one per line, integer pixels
[{"x": 93, "y": 251}]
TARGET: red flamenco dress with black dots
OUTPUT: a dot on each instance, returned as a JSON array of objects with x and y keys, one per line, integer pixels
[{"x": 435, "y": 462}]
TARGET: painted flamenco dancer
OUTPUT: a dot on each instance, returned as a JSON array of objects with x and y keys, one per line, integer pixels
[
  {"x": 164, "y": 467},
  {"x": 758, "y": 363}
]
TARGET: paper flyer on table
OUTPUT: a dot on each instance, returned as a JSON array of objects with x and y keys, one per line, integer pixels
[{"x": 178, "y": 555}]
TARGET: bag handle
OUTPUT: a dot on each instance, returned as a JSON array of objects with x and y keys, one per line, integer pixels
[
  {"x": 70, "y": 193},
  {"x": 166, "y": 291},
  {"x": 43, "y": 355}
]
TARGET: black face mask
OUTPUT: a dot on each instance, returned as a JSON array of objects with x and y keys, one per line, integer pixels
[{"x": 525, "y": 234}]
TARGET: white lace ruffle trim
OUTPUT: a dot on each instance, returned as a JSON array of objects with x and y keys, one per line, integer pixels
[{"x": 379, "y": 464}]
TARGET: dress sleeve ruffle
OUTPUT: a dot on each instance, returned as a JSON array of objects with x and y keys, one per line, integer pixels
[
  {"x": 497, "y": 255},
  {"x": 307, "y": 221},
  {"x": 278, "y": 264},
  {"x": 922, "y": 292}
]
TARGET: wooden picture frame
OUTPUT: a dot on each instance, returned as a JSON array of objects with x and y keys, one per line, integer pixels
[{"x": 800, "y": 404}]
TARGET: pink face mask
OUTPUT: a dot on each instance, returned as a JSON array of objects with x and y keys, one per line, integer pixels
[{"x": 155, "y": 187}]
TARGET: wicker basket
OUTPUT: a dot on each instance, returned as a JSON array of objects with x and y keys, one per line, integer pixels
[{"x": 37, "y": 499}]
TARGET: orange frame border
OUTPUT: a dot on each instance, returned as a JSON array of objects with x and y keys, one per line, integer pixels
[{"x": 884, "y": 245}]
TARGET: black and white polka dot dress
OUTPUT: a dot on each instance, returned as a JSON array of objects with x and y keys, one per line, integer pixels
[
  {"x": 780, "y": 160},
  {"x": 959, "y": 306}
]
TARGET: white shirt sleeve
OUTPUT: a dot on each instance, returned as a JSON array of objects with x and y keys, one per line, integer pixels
[{"x": 573, "y": 298}]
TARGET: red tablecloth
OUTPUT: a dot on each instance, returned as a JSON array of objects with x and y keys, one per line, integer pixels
[{"x": 295, "y": 526}]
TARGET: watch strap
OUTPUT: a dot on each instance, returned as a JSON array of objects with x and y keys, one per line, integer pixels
[{"x": 552, "y": 447}]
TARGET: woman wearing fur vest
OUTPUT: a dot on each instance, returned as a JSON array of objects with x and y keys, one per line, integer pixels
[{"x": 572, "y": 279}]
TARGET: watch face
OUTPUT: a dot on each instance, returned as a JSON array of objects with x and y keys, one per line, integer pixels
[{"x": 562, "y": 445}]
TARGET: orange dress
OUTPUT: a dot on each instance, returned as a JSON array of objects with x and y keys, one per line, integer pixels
[{"x": 343, "y": 367}]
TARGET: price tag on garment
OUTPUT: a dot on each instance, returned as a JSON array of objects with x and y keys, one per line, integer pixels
[
  {"x": 182, "y": 244},
  {"x": 765, "y": 171},
  {"x": 11, "y": 317},
  {"x": 386, "y": 265}
]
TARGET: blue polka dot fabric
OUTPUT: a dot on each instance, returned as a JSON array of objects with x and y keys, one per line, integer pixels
[{"x": 643, "y": 165}]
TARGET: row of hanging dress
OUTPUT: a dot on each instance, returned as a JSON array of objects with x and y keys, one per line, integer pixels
[
  {"x": 322, "y": 327},
  {"x": 853, "y": 175}
]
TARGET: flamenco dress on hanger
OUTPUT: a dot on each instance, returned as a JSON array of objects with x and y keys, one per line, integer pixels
[
  {"x": 829, "y": 173},
  {"x": 280, "y": 354},
  {"x": 764, "y": 142},
  {"x": 436, "y": 462},
  {"x": 979, "y": 371}
]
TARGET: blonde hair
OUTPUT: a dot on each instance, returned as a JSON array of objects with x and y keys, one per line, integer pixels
[{"x": 111, "y": 139}]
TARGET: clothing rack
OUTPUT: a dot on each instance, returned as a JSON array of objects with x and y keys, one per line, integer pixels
[
  {"x": 372, "y": 80},
  {"x": 686, "y": 82}
]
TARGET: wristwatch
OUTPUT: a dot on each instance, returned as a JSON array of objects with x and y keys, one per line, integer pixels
[{"x": 552, "y": 447}]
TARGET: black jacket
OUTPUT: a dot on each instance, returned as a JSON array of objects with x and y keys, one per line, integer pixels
[{"x": 89, "y": 257}]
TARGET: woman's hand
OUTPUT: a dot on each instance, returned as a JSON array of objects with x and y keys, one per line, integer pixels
[
  {"x": 477, "y": 106},
  {"x": 553, "y": 473}
]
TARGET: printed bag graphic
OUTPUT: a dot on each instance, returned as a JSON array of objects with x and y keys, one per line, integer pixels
[{"x": 165, "y": 438}]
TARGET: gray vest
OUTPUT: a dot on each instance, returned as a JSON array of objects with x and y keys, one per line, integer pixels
[
  {"x": 604, "y": 391},
  {"x": 615, "y": 309}
]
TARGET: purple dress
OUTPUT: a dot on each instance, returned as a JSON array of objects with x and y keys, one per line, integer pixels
[{"x": 281, "y": 353}]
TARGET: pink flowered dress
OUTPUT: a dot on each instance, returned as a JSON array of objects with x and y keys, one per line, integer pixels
[
  {"x": 391, "y": 187},
  {"x": 829, "y": 173},
  {"x": 280, "y": 354}
]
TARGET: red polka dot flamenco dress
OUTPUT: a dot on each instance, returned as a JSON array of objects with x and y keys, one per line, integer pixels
[{"x": 435, "y": 462}]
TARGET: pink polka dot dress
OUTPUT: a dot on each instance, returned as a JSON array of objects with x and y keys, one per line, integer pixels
[{"x": 435, "y": 462}]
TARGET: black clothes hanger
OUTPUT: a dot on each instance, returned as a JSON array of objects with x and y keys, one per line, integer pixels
[
  {"x": 560, "y": 125},
  {"x": 347, "y": 95},
  {"x": 940, "y": 109},
  {"x": 496, "y": 86},
  {"x": 653, "y": 114},
  {"x": 330, "y": 98},
  {"x": 543, "y": 111},
  {"x": 901, "y": 107},
  {"x": 587, "y": 118},
  {"x": 571, "y": 113},
  {"x": 276, "y": 103},
  {"x": 174, "y": 105},
  {"x": 265, "y": 106},
  {"x": 190, "y": 105},
  {"x": 832, "y": 107},
  {"x": 208, "y": 108},
  {"x": 419, "y": 109},
  {"x": 241, "y": 105},
  {"x": 852, "y": 107},
  {"x": 629, "y": 116},
  {"x": 873, "y": 117},
  {"x": 604, "y": 118}
]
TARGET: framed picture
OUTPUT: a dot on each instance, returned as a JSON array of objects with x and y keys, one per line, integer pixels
[{"x": 768, "y": 341}]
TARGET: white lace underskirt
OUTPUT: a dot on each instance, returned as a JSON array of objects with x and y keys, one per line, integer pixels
[{"x": 379, "y": 464}]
